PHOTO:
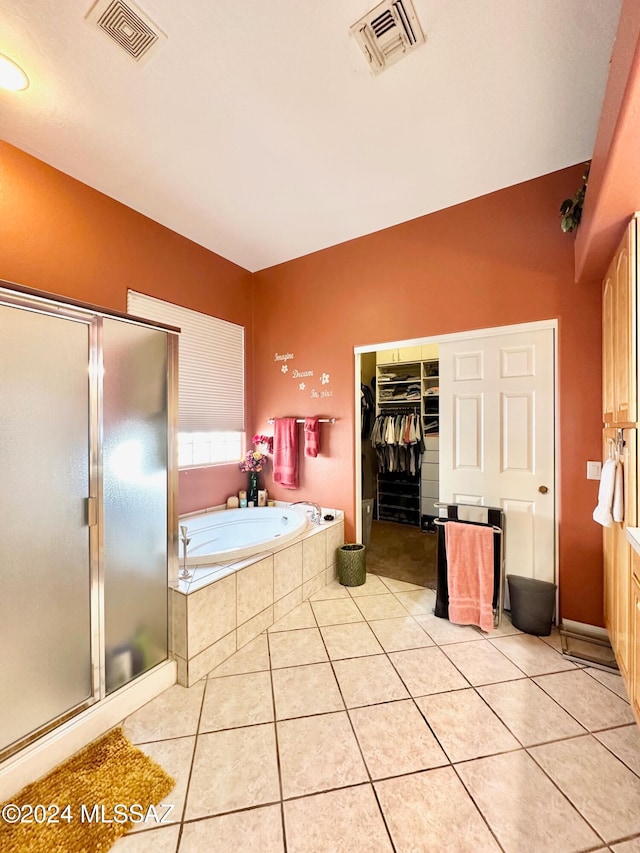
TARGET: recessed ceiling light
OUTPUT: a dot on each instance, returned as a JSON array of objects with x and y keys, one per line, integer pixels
[{"x": 12, "y": 77}]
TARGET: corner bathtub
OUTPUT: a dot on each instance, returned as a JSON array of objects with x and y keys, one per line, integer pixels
[{"x": 223, "y": 536}]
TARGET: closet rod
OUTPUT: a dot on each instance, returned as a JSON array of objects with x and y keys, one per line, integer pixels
[{"x": 302, "y": 420}]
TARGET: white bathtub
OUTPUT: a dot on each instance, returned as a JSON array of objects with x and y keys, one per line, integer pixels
[{"x": 228, "y": 535}]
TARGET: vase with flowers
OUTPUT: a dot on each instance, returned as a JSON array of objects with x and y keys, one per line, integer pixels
[{"x": 254, "y": 461}]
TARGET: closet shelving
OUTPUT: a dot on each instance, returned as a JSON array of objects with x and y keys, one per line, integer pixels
[
  {"x": 408, "y": 386},
  {"x": 429, "y": 472},
  {"x": 399, "y": 391},
  {"x": 430, "y": 398},
  {"x": 399, "y": 498}
]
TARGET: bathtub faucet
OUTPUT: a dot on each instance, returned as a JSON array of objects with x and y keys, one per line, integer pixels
[{"x": 316, "y": 512}]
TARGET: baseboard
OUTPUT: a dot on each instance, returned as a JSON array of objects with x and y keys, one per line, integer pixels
[{"x": 50, "y": 750}]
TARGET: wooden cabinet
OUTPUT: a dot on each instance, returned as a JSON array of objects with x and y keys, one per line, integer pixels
[
  {"x": 429, "y": 352},
  {"x": 619, "y": 334},
  {"x": 622, "y": 592},
  {"x": 620, "y": 417},
  {"x": 618, "y": 555},
  {"x": 399, "y": 355},
  {"x": 634, "y": 681},
  {"x": 608, "y": 340}
]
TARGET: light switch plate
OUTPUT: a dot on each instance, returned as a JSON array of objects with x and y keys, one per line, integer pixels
[{"x": 593, "y": 470}]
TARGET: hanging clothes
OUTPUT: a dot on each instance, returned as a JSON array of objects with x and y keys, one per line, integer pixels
[
  {"x": 367, "y": 410},
  {"x": 398, "y": 442}
]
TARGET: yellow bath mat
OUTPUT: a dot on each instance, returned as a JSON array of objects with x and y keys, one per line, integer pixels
[{"x": 87, "y": 803}]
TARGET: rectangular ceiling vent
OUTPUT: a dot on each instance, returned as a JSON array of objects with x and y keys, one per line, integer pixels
[
  {"x": 388, "y": 33},
  {"x": 128, "y": 26}
]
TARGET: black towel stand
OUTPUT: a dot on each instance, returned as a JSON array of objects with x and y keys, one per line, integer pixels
[{"x": 495, "y": 520}]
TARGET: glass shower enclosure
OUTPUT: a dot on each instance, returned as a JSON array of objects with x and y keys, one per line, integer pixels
[{"x": 86, "y": 507}]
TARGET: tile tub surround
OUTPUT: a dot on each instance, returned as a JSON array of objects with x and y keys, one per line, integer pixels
[{"x": 225, "y": 606}]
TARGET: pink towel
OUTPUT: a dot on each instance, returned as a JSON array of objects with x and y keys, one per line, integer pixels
[
  {"x": 311, "y": 437},
  {"x": 470, "y": 574},
  {"x": 285, "y": 452}
]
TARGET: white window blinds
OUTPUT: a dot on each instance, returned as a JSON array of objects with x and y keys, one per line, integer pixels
[{"x": 211, "y": 364}]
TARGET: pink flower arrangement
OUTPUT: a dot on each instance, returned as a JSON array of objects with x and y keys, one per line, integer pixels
[{"x": 254, "y": 460}]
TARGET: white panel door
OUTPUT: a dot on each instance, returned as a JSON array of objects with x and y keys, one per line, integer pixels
[{"x": 497, "y": 439}]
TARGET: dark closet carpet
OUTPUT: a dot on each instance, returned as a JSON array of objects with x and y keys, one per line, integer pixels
[{"x": 402, "y": 552}]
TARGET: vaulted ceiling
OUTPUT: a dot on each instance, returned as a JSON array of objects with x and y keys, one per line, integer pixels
[{"x": 258, "y": 131}]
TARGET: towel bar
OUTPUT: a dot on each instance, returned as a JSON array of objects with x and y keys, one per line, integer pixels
[
  {"x": 302, "y": 420},
  {"x": 441, "y": 523}
]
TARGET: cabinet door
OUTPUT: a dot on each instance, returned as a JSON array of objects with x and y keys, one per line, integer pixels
[
  {"x": 624, "y": 374},
  {"x": 608, "y": 346},
  {"x": 622, "y": 584},
  {"x": 635, "y": 638},
  {"x": 609, "y": 541},
  {"x": 429, "y": 352},
  {"x": 608, "y": 545},
  {"x": 387, "y": 356},
  {"x": 410, "y": 353},
  {"x": 618, "y": 558}
]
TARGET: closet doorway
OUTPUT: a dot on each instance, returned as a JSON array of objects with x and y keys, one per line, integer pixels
[
  {"x": 486, "y": 406},
  {"x": 399, "y": 455}
]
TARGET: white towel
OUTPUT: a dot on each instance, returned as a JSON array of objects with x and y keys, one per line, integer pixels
[
  {"x": 603, "y": 512},
  {"x": 618, "y": 496}
]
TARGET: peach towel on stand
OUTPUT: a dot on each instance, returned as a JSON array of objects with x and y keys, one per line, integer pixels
[
  {"x": 470, "y": 554},
  {"x": 285, "y": 452}
]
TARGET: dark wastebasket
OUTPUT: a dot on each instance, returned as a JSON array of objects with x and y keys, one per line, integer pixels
[
  {"x": 532, "y": 604},
  {"x": 352, "y": 566}
]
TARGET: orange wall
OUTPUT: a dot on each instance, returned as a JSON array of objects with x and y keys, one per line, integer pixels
[
  {"x": 60, "y": 236},
  {"x": 497, "y": 260},
  {"x": 613, "y": 193},
  {"x": 493, "y": 261}
]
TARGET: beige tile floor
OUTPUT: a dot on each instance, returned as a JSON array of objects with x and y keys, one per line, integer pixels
[{"x": 362, "y": 723}]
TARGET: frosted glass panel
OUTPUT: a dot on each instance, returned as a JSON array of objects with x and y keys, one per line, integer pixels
[
  {"x": 135, "y": 500},
  {"x": 45, "y": 634}
]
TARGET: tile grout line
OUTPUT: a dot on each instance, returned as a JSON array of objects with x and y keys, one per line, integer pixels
[
  {"x": 275, "y": 732},
  {"x": 566, "y": 796},
  {"x": 566, "y": 710},
  {"x": 364, "y": 762},
  {"x": 444, "y": 752},
  {"x": 193, "y": 758}
]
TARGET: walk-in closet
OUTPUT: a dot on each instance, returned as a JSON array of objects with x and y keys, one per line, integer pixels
[{"x": 400, "y": 437}]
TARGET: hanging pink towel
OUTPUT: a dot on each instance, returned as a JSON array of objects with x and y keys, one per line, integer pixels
[
  {"x": 311, "y": 437},
  {"x": 285, "y": 452},
  {"x": 470, "y": 574}
]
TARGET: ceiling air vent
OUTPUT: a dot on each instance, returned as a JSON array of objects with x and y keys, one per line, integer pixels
[
  {"x": 388, "y": 33},
  {"x": 128, "y": 27}
]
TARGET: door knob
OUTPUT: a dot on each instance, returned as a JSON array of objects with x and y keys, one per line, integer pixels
[{"x": 543, "y": 490}]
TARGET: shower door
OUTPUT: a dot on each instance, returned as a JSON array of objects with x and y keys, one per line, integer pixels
[
  {"x": 46, "y": 665},
  {"x": 133, "y": 532}
]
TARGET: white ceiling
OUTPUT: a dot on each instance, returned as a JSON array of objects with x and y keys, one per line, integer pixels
[{"x": 258, "y": 131}]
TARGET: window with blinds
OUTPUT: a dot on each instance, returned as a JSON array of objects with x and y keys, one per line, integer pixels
[{"x": 210, "y": 381}]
